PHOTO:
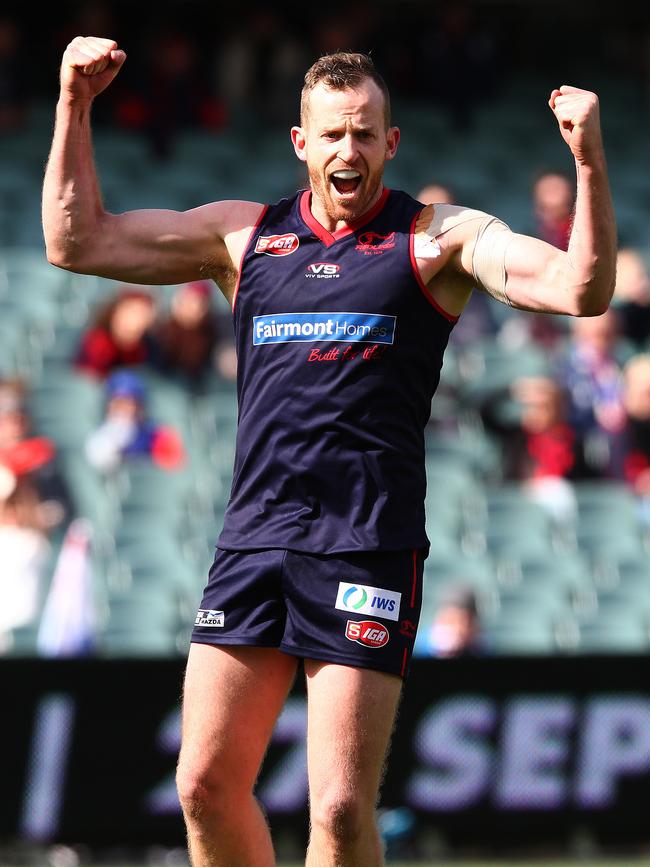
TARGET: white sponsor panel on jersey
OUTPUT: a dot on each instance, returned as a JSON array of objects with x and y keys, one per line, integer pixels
[
  {"x": 362, "y": 599},
  {"x": 310, "y": 327}
]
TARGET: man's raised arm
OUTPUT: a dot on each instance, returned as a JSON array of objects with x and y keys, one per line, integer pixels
[
  {"x": 538, "y": 276},
  {"x": 147, "y": 246}
]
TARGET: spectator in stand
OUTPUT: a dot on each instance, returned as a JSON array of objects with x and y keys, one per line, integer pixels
[
  {"x": 119, "y": 336},
  {"x": 188, "y": 340},
  {"x": 434, "y": 193},
  {"x": 171, "y": 94},
  {"x": 632, "y": 297},
  {"x": 127, "y": 432},
  {"x": 14, "y": 77},
  {"x": 259, "y": 64},
  {"x": 540, "y": 447},
  {"x": 553, "y": 197},
  {"x": 590, "y": 370},
  {"x": 456, "y": 629},
  {"x": 634, "y": 463},
  {"x": 24, "y": 553},
  {"x": 29, "y": 458},
  {"x": 459, "y": 58},
  {"x": 478, "y": 319}
]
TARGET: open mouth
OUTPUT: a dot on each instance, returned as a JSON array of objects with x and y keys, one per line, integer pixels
[{"x": 345, "y": 181}]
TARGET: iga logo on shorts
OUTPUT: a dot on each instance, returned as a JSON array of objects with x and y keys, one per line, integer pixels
[
  {"x": 206, "y": 617},
  {"x": 362, "y": 599},
  {"x": 367, "y": 632},
  {"x": 277, "y": 245}
]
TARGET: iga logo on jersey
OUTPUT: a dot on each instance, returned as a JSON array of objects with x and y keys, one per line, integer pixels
[
  {"x": 363, "y": 599},
  {"x": 277, "y": 245},
  {"x": 323, "y": 270},
  {"x": 367, "y": 632}
]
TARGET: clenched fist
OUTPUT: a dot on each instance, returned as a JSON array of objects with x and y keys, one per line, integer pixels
[
  {"x": 578, "y": 116},
  {"x": 89, "y": 65}
]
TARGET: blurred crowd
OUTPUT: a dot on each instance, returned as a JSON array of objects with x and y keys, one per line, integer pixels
[
  {"x": 129, "y": 335},
  {"x": 585, "y": 416},
  {"x": 249, "y": 66},
  {"x": 192, "y": 66}
]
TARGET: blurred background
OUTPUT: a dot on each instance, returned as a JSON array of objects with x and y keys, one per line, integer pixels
[{"x": 525, "y": 731}]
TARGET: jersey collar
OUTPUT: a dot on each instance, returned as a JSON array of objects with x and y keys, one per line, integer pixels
[{"x": 329, "y": 238}]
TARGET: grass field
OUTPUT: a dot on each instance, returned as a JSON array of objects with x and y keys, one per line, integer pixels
[
  {"x": 533, "y": 862},
  {"x": 626, "y": 862},
  {"x": 644, "y": 862}
]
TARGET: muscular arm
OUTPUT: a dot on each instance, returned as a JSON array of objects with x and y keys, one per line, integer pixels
[
  {"x": 580, "y": 281},
  {"x": 147, "y": 246},
  {"x": 526, "y": 272}
]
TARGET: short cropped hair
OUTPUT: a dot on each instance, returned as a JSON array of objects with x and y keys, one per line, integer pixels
[{"x": 342, "y": 70}]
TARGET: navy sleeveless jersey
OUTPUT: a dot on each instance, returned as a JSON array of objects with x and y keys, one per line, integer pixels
[{"x": 340, "y": 349}]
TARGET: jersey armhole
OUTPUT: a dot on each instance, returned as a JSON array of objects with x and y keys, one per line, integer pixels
[
  {"x": 416, "y": 273},
  {"x": 258, "y": 222}
]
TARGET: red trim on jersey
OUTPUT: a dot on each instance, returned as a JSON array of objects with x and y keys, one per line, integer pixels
[
  {"x": 404, "y": 659},
  {"x": 418, "y": 276},
  {"x": 329, "y": 238},
  {"x": 246, "y": 246},
  {"x": 415, "y": 577}
]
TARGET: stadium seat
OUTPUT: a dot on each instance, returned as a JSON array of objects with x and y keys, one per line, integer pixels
[
  {"x": 534, "y": 636},
  {"x": 620, "y": 632}
]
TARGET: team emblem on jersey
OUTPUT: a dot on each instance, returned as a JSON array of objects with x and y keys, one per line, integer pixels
[
  {"x": 373, "y": 244},
  {"x": 367, "y": 632},
  {"x": 277, "y": 245}
]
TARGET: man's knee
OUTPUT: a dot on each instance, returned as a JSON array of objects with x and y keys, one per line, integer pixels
[
  {"x": 344, "y": 817},
  {"x": 203, "y": 792}
]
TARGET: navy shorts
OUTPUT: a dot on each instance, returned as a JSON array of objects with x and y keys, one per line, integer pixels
[{"x": 359, "y": 609}]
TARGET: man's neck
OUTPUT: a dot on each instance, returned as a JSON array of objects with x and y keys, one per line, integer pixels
[{"x": 330, "y": 222}]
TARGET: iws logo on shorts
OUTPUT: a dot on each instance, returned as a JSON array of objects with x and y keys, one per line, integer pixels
[
  {"x": 310, "y": 327},
  {"x": 205, "y": 617},
  {"x": 366, "y": 632},
  {"x": 277, "y": 245},
  {"x": 362, "y": 599}
]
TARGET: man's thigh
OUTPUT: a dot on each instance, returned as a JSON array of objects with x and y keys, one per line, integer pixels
[
  {"x": 351, "y": 716},
  {"x": 232, "y": 698}
]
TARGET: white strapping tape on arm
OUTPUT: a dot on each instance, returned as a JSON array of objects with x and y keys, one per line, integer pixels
[{"x": 488, "y": 257}]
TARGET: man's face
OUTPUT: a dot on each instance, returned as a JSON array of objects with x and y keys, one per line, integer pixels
[
  {"x": 553, "y": 197},
  {"x": 345, "y": 144}
]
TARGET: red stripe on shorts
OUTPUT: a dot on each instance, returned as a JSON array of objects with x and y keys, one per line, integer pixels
[
  {"x": 404, "y": 658},
  {"x": 415, "y": 577}
]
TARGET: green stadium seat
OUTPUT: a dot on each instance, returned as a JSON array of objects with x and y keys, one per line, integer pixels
[
  {"x": 521, "y": 637},
  {"x": 621, "y": 632}
]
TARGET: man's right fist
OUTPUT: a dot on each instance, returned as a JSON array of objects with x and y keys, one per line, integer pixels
[{"x": 89, "y": 65}]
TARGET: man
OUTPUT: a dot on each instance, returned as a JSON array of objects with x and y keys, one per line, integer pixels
[{"x": 344, "y": 296}]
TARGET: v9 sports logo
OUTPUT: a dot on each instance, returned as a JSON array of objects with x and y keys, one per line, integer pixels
[{"x": 322, "y": 270}]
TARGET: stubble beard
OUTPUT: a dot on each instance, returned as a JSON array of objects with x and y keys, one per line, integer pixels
[{"x": 339, "y": 212}]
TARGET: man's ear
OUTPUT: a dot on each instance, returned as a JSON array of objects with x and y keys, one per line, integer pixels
[
  {"x": 299, "y": 141},
  {"x": 392, "y": 140}
]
